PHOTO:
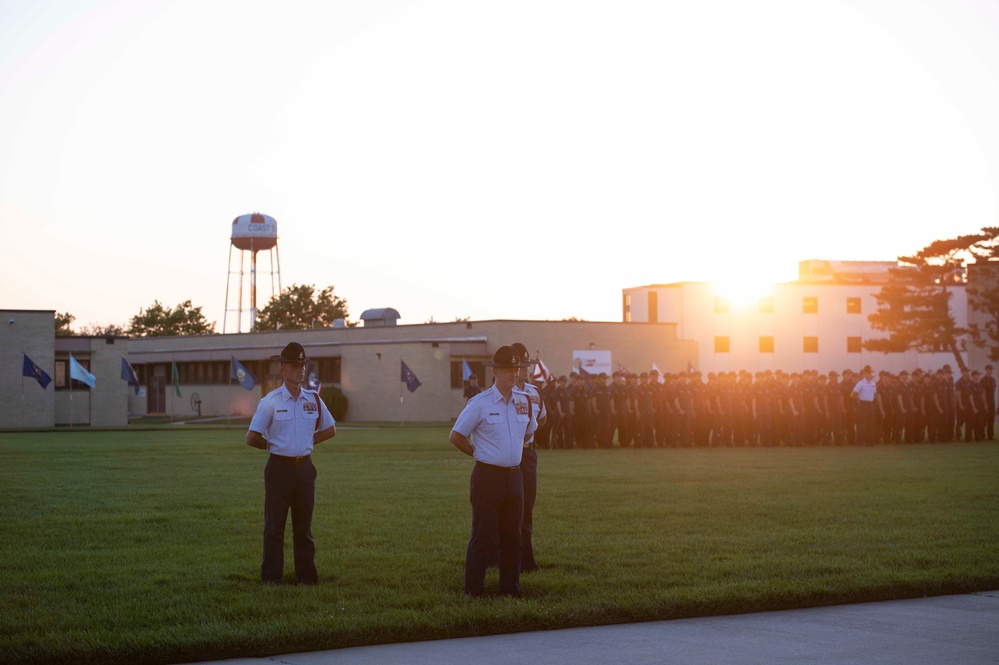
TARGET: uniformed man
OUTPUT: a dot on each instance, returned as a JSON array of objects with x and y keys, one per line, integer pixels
[
  {"x": 493, "y": 428},
  {"x": 863, "y": 392},
  {"x": 989, "y": 390},
  {"x": 472, "y": 389},
  {"x": 529, "y": 462},
  {"x": 288, "y": 423}
]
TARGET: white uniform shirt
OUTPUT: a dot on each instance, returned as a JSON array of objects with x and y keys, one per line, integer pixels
[
  {"x": 289, "y": 423},
  {"x": 865, "y": 390},
  {"x": 496, "y": 429},
  {"x": 539, "y": 410}
]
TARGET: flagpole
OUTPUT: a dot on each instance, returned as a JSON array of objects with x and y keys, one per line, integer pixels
[
  {"x": 401, "y": 419},
  {"x": 22, "y": 400}
]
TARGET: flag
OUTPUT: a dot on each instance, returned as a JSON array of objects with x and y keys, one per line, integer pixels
[
  {"x": 128, "y": 374},
  {"x": 624, "y": 370},
  {"x": 411, "y": 381},
  {"x": 466, "y": 371},
  {"x": 690, "y": 367},
  {"x": 176, "y": 380},
  {"x": 312, "y": 381},
  {"x": 242, "y": 375},
  {"x": 77, "y": 372},
  {"x": 35, "y": 372},
  {"x": 541, "y": 372},
  {"x": 662, "y": 379}
]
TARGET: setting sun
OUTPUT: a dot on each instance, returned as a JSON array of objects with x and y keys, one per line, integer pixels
[{"x": 743, "y": 293}]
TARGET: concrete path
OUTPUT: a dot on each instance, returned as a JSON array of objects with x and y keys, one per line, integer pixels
[{"x": 945, "y": 630}]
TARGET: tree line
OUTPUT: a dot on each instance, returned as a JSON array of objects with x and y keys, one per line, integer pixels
[{"x": 298, "y": 307}]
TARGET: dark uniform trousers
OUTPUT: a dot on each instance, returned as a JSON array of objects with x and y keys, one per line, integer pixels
[
  {"x": 497, "y": 497},
  {"x": 289, "y": 483},
  {"x": 529, "y": 467}
]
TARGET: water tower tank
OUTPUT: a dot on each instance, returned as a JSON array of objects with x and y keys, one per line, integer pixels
[{"x": 254, "y": 232}]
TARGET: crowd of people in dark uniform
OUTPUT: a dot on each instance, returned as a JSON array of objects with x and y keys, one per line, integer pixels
[{"x": 768, "y": 408}]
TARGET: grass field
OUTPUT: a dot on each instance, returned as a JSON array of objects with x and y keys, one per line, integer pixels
[{"x": 144, "y": 546}]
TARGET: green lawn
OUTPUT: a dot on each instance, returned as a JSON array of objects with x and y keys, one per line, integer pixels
[{"x": 144, "y": 546}]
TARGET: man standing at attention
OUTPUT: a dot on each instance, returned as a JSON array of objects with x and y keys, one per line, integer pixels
[
  {"x": 864, "y": 393},
  {"x": 288, "y": 423},
  {"x": 493, "y": 428},
  {"x": 472, "y": 389}
]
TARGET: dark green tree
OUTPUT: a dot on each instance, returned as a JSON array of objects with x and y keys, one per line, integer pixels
[
  {"x": 63, "y": 320},
  {"x": 914, "y": 306},
  {"x": 103, "y": 330},
  {"x": 983, "y": 293},
  {"x": 160, "y": 321},
  {"x": 299, "y": 307}
]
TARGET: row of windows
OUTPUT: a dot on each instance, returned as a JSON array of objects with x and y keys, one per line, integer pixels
[
  {"x": 809, "y": 305},
  {"x": 218, "y": 372},
  {"x": 809, "y": 344}
]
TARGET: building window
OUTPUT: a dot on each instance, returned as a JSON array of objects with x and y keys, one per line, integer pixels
[
  {"x": 653, "y": 307},
  {"x": 62, "y": 380},
  {"x": 478, "y": 369},
  {"x": 721, "y": 344},
  {"x": 853, "y": 345},
  {"x": 853, "y": 305},
  {"x": 766, "y": 345},
  {"x": 810, "y": 305},
  {"x": 767, "y": 305},
  {"x": 328, "y": 370},
  {"x": 721, "y": 305},
  {"x": 811, "y": 345},
  {"x": 627, "y": 308}
]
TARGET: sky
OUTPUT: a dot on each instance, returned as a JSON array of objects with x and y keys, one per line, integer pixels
[{"x": 452, "y": 159}]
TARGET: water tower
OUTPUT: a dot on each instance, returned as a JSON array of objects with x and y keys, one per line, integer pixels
[{"x": 251, "y": 233}]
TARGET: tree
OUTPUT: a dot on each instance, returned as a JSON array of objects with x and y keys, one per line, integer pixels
[
  {"x": 62, "y": 323},
  {"x": 914, "y": 306},
  {"x": 299, "y": 307},
  {"x": 103, "y": 330},
  {"x": 983, "y": 293},
  {"x": 160, "y": 321}
]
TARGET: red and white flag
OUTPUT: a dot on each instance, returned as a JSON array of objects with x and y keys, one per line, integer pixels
[{"x": 541, "y": 372}]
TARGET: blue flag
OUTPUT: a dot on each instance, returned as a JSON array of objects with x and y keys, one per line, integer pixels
[
  {"x": 242, "y": 375},
  {"x": 466, "y": 371},
  {"x": 32, "y": 370},
  {"x": 77, "y": 372},
  {"x": 128, "y": 374},
  {"x": 411, "y": 381}
]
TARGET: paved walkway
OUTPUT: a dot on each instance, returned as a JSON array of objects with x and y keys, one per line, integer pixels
[{"x": 945, "y": 630}]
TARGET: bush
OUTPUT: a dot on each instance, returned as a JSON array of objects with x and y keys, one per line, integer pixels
[{"x": 335, "y": 401}]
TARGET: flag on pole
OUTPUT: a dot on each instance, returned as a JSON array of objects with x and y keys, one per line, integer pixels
[
  {"x": 31, "y": 370},
  {"x": 624, "y": 370},
  {"x": 690, "y": 367},
  {"x": 662, "y": 379},
  {"x": 466, "y": 371},
  {"x": 242, "y": 375},
  {"x": 77, "y": 372},
  {"x": 312, "y": 381},
  {"x": 410, "y": 379},
  {"x": 541, "y": 372},
  {"x": 128, "y": 374},
  {"x": 176, "y": 380}
]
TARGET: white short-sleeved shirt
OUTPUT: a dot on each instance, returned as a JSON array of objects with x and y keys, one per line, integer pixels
[
  {"x": 539, "y": 409},
  {"x": 865, "y": 390},
  {"x": 290, "y": 423},
  {"x": 496, "y": 429}
]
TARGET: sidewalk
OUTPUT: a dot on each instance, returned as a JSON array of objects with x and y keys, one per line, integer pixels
[{"x": 957, "y": 630}]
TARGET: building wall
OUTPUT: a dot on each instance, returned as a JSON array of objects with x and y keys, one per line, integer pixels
[
  {"x": 107, "y": 403},
  {"x": 692, "y": 307},
  {"x": 30, "y": 332},
  {"x": 371, "y": 360}
]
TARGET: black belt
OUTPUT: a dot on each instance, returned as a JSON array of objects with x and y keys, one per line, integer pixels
[
  {"x": 293, "y": 460},
  {"x": 498, "y": 468}
]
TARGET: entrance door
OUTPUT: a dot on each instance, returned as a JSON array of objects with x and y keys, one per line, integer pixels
[{"x": 156, "y": 401}]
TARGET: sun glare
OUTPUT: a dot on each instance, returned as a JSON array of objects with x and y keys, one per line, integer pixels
[{"x": 743, "y": 293}]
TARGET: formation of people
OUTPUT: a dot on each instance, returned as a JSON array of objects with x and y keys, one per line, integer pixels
[{"x": 767, "y": 408}]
